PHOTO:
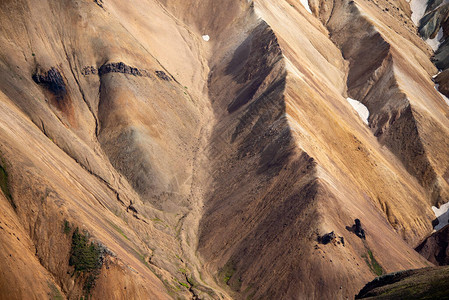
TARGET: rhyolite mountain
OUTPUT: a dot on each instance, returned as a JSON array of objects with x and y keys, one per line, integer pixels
[{"x": 172, "y": 149}]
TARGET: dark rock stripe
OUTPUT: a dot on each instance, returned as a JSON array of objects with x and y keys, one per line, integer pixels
[{"x": 121, "y": 67}]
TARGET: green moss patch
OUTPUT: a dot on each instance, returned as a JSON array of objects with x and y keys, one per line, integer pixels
[
  {"x": 372, "y": 263},
  {"x": 427, "y": 283},
  {"x": 66, "y": 227},
  {"x": 55, "y": 293},
  {"x": 118, "y": 229},
  {"x": 4, "y": 185},
  {"x": 227, "y": 274}
]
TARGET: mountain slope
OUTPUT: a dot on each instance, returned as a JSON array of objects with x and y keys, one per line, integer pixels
[{"x": 141, "y": 161}]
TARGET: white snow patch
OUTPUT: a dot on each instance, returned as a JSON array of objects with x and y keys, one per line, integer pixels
[
  {"x": 361, "y": 109},
  {"x": 444, "y": 97},
  {"x": 206, "y": 37},
  {"x": 305, "y": 3},
  {"x": 418, "y": 8},
  {"x": 442, "y": 214},
  {"x": 435, "y": 42}
]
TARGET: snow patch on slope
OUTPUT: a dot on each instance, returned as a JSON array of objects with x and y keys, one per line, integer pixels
[
  {"x": 435, "y": 42},
  {"x": 418, "y": 8},
  {"x": 442, "y": 215},
  {"x": 361, "y": 109},
  {"x": 305, "y": 3}
]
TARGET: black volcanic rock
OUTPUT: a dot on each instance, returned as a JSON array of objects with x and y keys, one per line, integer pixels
[
  {"x": 357, "y": 229},
  {"x": 162, "y": 75},
  {"x": 119, "y": 67},
  {"x": 51, "y": 80}
]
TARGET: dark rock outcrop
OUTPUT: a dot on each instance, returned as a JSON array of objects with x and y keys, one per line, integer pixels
[
  {"x": 433, "y": 19},
  {"x": 51, "y": 80},
  {"x": 99, "y": 3},
  {"x": 331, "y": 237},
  {"x": 131, "y": 208},
  {"x": 89, "y": 70},
  {"x": 357, "y": 229},
  {"x": 119, "y": 67},
  {"x": 162, "y": 75},
  {"x": 435, "y": 248},
  {"x": 328, "y": 237}
]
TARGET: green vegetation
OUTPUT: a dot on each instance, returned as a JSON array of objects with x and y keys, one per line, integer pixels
[
  {"x": 192, "y": 281},
  {"x": 4, "y": 185},
  {"x": 55, "y": 293},
  {"x": 428, "y": 283},
  {"x": 33, "y": 54},
  {"x": 119, "y": 230},
  {"x": 90, "y": 282},
  {"x": 227, "y": 272},
  {"x": 372, "y": 263},
  {"x": 84, "y": 256},
  {"x": 66, "y": 228},
  {"x": 142, "y": 258},
  {"x": 172, "y": 289},
  {"x": 186, "y": 285}
]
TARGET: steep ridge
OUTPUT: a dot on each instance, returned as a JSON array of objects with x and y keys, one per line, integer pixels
[
  {"x": 270, "y": 189},
  {"x": 387, "y": 83}
]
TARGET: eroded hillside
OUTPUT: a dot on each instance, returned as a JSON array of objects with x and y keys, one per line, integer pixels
[{"x": 207, "y": 150}]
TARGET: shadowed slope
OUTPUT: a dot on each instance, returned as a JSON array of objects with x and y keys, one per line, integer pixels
[{"x": 270, "y": 200}]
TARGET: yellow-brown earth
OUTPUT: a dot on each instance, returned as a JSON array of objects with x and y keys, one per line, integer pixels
[{"x": 212, "y": 169}]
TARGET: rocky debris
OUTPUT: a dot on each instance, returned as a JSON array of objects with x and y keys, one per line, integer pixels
[
  {"x": 162, "y": 75},
  {"x": 51, "y": 80},
  {"x": 435, "y": 248},
  {"x": 89, "y": 70},
  {"x": 328, "y": 237},
  {"x": 119, "y": 67},
  {"x": 357, "y": 229},
  {"x": 331, "y": 237}
]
